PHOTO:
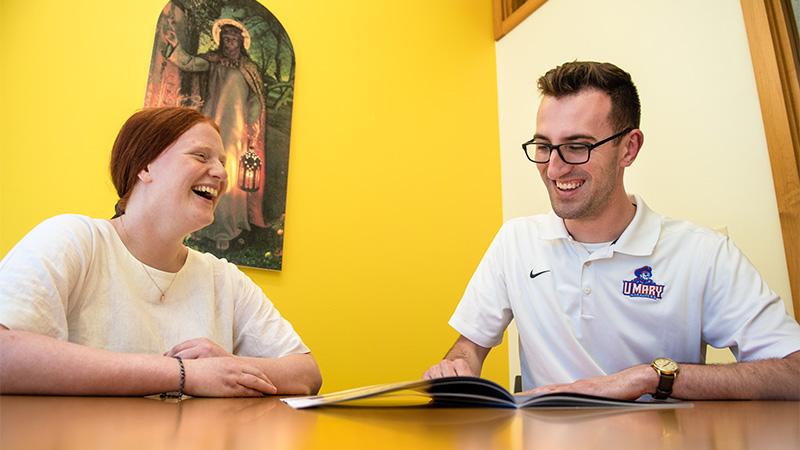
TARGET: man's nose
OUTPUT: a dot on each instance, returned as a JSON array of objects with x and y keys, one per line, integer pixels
[{"x": 556, "y": 168}]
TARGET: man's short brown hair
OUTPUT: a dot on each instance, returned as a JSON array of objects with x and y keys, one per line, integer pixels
[{"x": 573, "y": 77}]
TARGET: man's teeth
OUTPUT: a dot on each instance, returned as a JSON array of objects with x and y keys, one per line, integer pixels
[
  {"x": 206, "y": 191},
  {"x": 568, "y": 186}
]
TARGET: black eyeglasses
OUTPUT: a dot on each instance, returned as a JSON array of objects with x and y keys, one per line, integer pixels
[{"x": 570, "y": 152}]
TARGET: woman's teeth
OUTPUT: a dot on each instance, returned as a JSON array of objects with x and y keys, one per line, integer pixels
[{"x": 206, "y": 191}]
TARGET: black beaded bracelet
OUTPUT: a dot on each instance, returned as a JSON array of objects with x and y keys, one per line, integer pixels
[{"x": 179, "y": 392}]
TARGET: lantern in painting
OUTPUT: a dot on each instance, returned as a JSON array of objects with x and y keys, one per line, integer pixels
[{"x": 250, "y": 171}]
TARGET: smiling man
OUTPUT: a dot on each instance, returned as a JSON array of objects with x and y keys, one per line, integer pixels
[{"x": 611, "y": 298}]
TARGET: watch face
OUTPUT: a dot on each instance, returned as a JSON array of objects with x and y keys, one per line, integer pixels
[{"x": 666, "y": 365}]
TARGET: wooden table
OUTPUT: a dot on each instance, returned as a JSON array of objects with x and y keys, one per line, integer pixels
[{"x": 30, "y": 423}]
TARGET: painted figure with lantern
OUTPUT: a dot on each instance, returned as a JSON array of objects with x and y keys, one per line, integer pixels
[{"x": 230, "y": 89}]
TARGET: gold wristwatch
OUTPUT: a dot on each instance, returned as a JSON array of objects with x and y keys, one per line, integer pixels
[{"x": 667, "y": 371}]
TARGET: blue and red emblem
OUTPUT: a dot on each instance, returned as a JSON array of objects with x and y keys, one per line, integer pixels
[{"x": 643, "y": 285}]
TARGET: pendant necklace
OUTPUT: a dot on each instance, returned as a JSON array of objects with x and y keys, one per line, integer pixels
[
  {"x": 163, "y": 291},
  {"x": 147, "y": 272}
]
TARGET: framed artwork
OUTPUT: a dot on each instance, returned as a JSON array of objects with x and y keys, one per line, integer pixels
[{"x": 233, "y": 61}]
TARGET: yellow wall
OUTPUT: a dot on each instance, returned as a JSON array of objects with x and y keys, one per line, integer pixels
[{"x": 394, "y": 174}]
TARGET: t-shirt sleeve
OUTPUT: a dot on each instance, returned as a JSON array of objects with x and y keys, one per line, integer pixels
[
  {"x": 39, "y": 273},
  {"x": 259, "y": 330},
  {"x": 742, "y": 313},
  {"x": 484, "y": 311}
]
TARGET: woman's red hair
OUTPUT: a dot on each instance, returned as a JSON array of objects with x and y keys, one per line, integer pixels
[{"x": 142, "y": 138}]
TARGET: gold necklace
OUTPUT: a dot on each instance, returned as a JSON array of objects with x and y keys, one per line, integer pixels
[
  {"x": 163, "y": 291},
  {"x": 147, "y": 272}
]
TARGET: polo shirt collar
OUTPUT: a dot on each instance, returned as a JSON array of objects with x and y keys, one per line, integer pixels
[
  {"x": 641, "y": 235},
  {"x": 553, "y": 228},
  {"x": 638, "y": 239}
]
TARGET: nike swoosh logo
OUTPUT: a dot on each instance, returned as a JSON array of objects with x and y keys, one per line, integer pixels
[{"x": 534, "y": 275}]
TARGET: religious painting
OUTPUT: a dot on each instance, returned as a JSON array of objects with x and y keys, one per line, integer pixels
[{"x": 233, "y": 61}]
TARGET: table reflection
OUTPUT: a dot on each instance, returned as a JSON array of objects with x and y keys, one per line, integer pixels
[
  {"x": 409, "y": 428},
  {"x": 707, "y": 425},
  {"x": 94, "y": 422},
  {"x": 32, "y": 422}
]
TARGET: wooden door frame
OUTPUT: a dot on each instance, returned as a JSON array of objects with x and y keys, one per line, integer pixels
[
  {"x": 505, "y": 19},
  {"x": 772, "y": 35}
]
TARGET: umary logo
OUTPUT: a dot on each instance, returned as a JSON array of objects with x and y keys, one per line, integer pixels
[{"x": 643, "y": 285}]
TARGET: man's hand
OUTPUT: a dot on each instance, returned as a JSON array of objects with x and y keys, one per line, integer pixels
[
  {"x": 628, "y": 384},
  {"x": 197, "y": 348},
  {"x": 464, "y": 359},
  {"x": 448, "y": 368},
  {"x": 225, "y": 377}
]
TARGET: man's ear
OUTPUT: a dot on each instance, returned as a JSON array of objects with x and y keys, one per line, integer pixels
[
  {"x": 633, "y": 144},
  {"x": 144, "y": 175}
]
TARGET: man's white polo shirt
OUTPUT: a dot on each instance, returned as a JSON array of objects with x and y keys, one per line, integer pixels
[{"x": 664, "y": 288}]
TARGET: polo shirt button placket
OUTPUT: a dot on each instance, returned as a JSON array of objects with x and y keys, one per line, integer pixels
[{"x": 586, "y": 290}]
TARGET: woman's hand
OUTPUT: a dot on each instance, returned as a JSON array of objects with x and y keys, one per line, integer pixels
[
  {"x": 225, "y": 377},
  {"x": 197, "y": 348}
]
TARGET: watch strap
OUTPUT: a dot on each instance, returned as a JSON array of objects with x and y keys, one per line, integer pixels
[{"x": 664, "y": 389}]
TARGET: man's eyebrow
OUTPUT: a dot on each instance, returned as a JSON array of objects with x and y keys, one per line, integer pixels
[
  {"x": 576, "y": 137},
  {"x": 570, "y": 138}
]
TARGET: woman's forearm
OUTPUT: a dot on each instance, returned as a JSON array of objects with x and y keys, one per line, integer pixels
[
  {"x": 35, "y": 364},
  {"x": 291, "y": 374}
]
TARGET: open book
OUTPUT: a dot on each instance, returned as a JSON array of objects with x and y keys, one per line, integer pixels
[{"x": 466, "y": 391}]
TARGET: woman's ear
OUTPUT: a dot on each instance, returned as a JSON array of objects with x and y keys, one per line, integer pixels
[{"x": 144, "y": 175}]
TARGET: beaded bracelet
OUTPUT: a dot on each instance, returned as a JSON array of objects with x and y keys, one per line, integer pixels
[{"x": 179, "y": 392}]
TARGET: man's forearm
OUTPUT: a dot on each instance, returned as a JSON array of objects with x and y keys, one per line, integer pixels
[
  {"x": 771, "y": 379},
  {"x": 471, "y": 353}
]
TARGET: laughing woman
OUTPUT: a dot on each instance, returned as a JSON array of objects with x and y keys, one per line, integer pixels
[{"x": 122, "y": 307}]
